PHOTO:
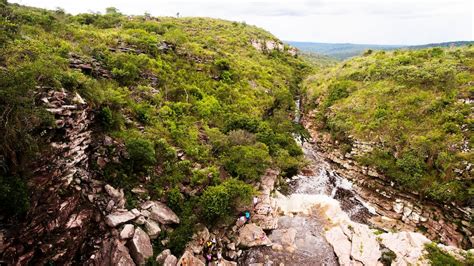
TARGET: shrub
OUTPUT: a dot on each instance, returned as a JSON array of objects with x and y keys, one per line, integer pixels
[
  {"x": 141, "y": 153},
  {"x": 14, "y": 198},
  {"x": 219, "y": 202},
  {"x": 438, "y": 257},
  {"x": 248, "y": 162},
  {"x": 337, "y": 90}
]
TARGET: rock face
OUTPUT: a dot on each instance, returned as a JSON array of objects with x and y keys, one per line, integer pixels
[
  {"x": 188, "y": 259},
  {"x": 161, "y": 213},
  {"x": 140, "y": 247},
  {"x": 250, "y": 235},
  {"x": 60, "y": 221}
]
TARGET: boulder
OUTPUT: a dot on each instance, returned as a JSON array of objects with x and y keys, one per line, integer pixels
[
  {"x": 112, "y": 252},
  {"x": 250, "y": 235},
  {"x": 152, "y": 228},
  {"x": 127, "y": 231},
  {"x": 188, "y": 259},
  {"x": 162, "y": 214},
  {"x": 118, "y": 217},
  {"x": 140, "y": 247},
  {"x": 165, "y": 258}
]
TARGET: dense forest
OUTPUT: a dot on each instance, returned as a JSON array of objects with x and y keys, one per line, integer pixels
[
  {"x": 201, "y": 112},
  {"x": 415, "y": 107}
]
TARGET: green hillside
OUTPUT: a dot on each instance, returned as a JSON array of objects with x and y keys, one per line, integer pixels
[
  {"x": 162, "y": 87},
  {"x": 416, "y": 106}
]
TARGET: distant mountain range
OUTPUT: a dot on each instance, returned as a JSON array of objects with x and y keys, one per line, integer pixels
[{"x": 343, "y": 51}]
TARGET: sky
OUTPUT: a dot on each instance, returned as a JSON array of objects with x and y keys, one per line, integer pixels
[{"x": 334, "y": 21}]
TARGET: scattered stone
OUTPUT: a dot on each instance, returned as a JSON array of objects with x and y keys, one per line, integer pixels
[
  {"x": 165, "y": 258},
  {"x": 101, "y": 162},
  {"x": 288, "y": 240},
  {"x": 127, "y": 231},
  {"x": 145, "y": 213},
  {"x": 140, "y": 247},
  {"x": 112, "y": 252},
  {"x": 139, "y": 190}
]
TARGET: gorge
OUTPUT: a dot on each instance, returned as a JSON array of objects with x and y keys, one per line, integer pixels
[{"x": 140, "y": 140}]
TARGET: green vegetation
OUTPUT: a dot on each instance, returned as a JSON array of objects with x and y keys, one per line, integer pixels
[
  {"x": 439, "y": 257},
  {"x": 200, "y": 112},
  {"x": 413, "y": 105}
]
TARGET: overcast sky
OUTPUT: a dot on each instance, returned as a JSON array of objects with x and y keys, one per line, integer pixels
[{"x": 355, "y": 21}]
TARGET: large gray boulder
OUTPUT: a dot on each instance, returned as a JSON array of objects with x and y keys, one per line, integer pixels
[
  {"x": 161, "y": 213},
  {"x": 118, "y": 217},
  {"x": 251, "y": 235},
  {"x": 140, "y": 246}
]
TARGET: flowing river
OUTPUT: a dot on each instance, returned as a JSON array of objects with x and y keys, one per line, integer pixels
[{"x": 302, "y": 215}]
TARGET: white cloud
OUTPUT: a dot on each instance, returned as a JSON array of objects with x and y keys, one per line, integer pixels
[{"x": 361, "y": 21}]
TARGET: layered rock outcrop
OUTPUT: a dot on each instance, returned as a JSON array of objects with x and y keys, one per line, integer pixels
[{"x": 74, "y": 217}]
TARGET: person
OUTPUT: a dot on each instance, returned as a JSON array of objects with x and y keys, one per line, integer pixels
[
  {"x": 255, "y": 201},
  {"x": 247, "y": 216}
]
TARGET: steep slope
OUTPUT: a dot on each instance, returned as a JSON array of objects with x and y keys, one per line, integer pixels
[{"x": 103, "y": 112}]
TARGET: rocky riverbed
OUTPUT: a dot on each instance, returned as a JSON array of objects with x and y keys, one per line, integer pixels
[{"x": 324, "y": 221}]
